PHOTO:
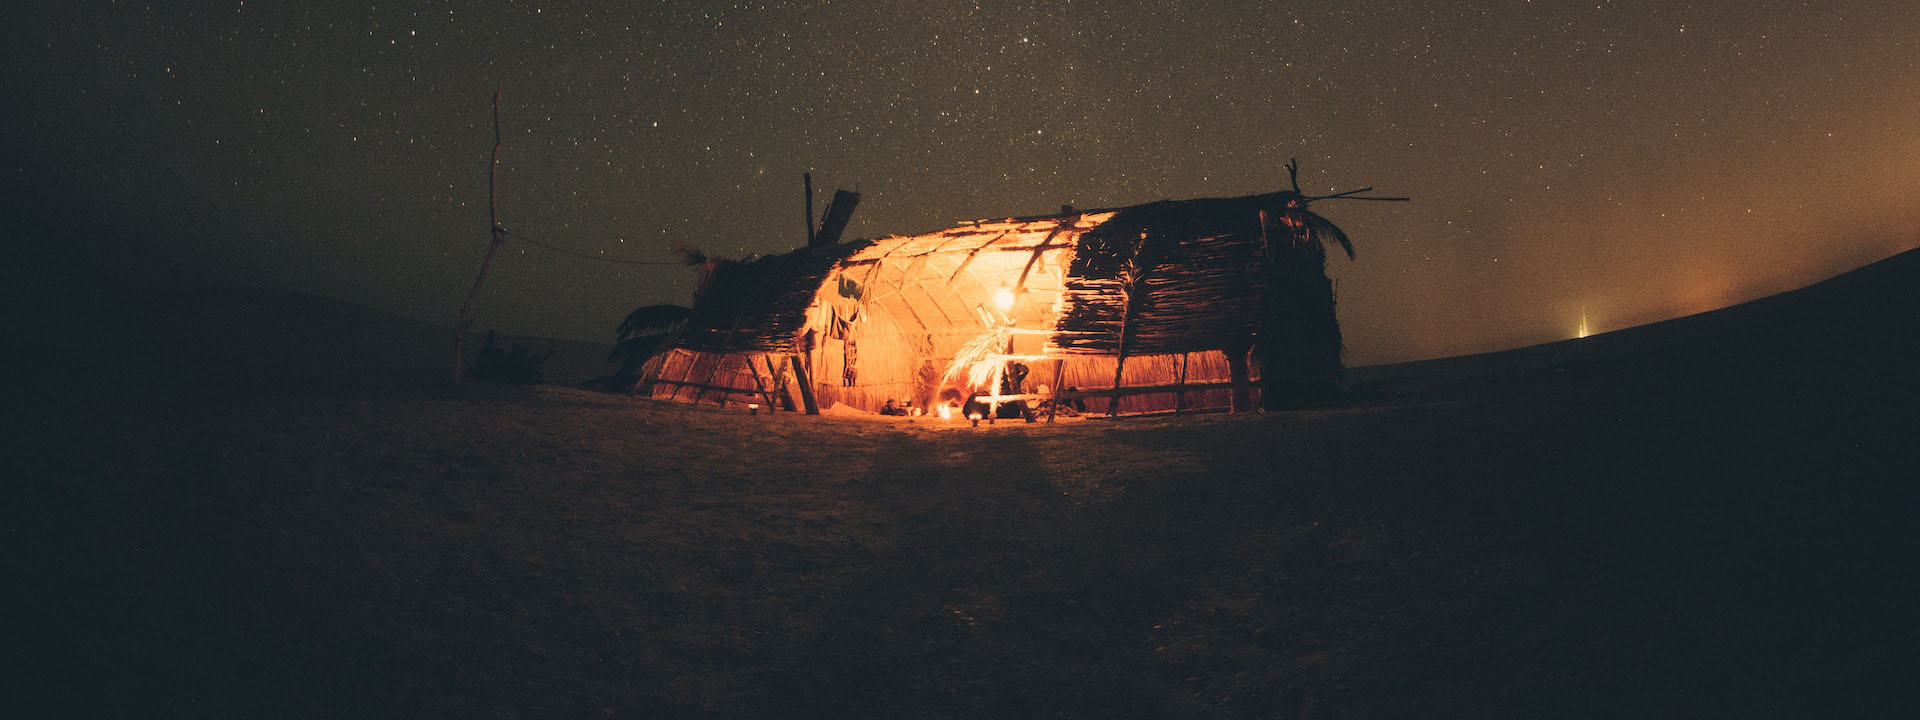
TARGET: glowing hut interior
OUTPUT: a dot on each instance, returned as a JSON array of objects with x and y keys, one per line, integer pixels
[{"x": 1150, "y": 308}]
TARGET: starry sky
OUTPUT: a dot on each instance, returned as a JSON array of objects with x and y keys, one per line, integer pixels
[{"x": 1630, "y": 160}]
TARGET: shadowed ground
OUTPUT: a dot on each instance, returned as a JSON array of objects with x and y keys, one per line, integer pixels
[{"x": 1718, "y": 523}]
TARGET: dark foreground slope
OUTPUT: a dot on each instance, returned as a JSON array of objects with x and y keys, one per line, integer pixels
[{"x": 1717, "y": 525}]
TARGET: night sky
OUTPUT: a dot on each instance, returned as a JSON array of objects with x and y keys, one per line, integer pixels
[{"x": 1633, "y": 160}]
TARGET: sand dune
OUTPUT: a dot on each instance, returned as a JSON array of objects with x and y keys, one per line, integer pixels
[{"x": 237, "y": 504}]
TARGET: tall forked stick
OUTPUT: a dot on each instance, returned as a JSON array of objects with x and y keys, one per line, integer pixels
[{"x": 499, "y": 236}]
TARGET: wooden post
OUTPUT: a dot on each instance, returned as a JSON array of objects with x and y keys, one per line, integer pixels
[
  {"x": 805, "y": 382},
  {"x": 1242, "y": 387},
  {"x": 834, "y": 221},
  {"x": 499, "y": 236},
  {"x": 808, "y": 179},
  {"x": 1058, "y": 366},
  {"x": 1132, "y": 286},
  {"x": 693, "y": 360},
  {"x": 999, "y": 381},
  {"x": 777, "y": 377},
  {"x": 651, "y": 369},
  {"x": 1180, "y": 387},
  {"x": 719, "y": 360},
  {"x": 765, "y": 396}
]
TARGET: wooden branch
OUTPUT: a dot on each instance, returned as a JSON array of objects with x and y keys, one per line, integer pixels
[
  {"x": 1107, "y": 392},
  {"x": 778, "y": 377},
  {"x": 807, "y": 179},
  {"x": 499, "y": 236},
  {"x": 764, "y": 395},
  {"x": 1349, "y": 195},
  {"x": 1131, "y": 287},
  {"x": 971, "y": 253},
  {"x": 1037, "y": 250},
  {"x": 701, "y": 390}
]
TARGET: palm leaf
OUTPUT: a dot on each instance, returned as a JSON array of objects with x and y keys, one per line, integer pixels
[
  {"x": 1322, "y": 229},
  {"x": 652, "y": 320},
  {"x": 633, "y": 351},
  {"x": 688, "y": 253}
]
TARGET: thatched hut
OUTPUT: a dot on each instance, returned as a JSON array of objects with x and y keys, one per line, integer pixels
[{"x": 1168, "y": 306}]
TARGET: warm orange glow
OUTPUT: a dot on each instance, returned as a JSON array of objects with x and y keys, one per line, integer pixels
[
  {"x": 1003, "y": 299},
  {"x": 946, "y": 411},
  {"x": 1584, "y": 330}
]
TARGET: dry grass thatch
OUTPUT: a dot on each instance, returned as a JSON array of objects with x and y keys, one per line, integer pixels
[{"x": 1163, "y": 279}]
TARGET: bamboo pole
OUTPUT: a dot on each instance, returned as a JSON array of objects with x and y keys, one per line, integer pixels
[{"x": 498, "y": 237}]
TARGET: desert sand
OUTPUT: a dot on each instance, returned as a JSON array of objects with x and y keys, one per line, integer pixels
[{"x": 250, "y": 504}]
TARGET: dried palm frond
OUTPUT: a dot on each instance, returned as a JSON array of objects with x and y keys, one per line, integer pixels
[
  {"x": 1322, "y": 229},
  {"x": 689, "y": 254},
  {"x": 709, "y": 265},
  {"x": 652, "y": 320},
  {"x": 975, "y": 361}
]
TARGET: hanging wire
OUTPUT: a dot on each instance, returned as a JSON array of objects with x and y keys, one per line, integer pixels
[{"x": 578, "y": 254}]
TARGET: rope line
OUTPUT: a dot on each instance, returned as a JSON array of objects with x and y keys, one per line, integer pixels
[{"x": 578, "y": 254}]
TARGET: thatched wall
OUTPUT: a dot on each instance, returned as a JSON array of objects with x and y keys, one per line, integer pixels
[
  {"x": 724, "y": 378},
  {"x": 760, "y": 305},
  {"x": 1093, "y": 374},
  {"x": 1166, "y": 285},
  {"x": 1189, "y": 268}
]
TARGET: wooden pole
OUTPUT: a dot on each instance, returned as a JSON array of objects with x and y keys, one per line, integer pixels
[
  {"x": 1180, "y": 393},
  {"x": 765, "y": 396},
  {"x": 1054, "y": 404},
  {"x": 805, "y": 382},
  {"x": 1237, "y": 371},
  {"x": 1131, "y": 287},
  {"x": 778, "y": 378},
  {"x": 834, "y": 220},
  {"x": 807, "y": 178},
  {"x": 693, "y": 361},
  {"x": 499, "y": 236},
  {"x": 999, "y": 381},
  {"x": 719, "y": 359}
]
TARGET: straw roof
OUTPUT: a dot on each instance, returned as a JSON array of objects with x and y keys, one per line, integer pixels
[
  {"x": 1192, "y": 268},
  {"x": 759, "y": 305}
]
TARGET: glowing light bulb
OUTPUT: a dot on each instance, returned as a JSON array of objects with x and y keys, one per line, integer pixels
[{"x": 1003, "y": 299}]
